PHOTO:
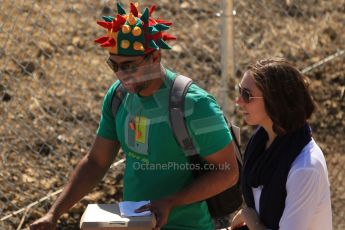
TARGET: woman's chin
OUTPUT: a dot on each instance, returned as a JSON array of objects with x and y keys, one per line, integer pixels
[{"x": 248, "y": 120}]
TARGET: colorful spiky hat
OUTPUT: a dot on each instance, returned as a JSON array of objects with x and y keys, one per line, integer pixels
[{"x": 134, "y": 34}]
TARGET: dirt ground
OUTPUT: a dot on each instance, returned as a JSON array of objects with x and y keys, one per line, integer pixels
[{"x": 53, "y": 79}]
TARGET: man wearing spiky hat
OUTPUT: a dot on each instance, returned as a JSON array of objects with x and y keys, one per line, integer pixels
[{"x": 155, "y": 163}]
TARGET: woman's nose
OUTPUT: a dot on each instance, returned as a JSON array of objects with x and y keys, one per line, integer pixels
[{"x": 239, "y": 101}]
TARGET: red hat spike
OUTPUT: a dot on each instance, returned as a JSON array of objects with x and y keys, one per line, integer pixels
[
  {"x": 160, "y": 21},
  {"x": 116, "y": 25},
  {"x": 120, "y": 19},
  {"x": 152, "y": 8},
  {"x": 134, "y": 10},
  {"x": 107, "y": 25},
  {"x": 102, "y": 39},
  {"x": 110, "y": 43},
  {"x": 167, "y": 37}
]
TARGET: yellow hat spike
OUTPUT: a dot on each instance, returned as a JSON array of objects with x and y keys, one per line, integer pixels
[
  {"x": 132, "y": 20},
  {"x": 136, "y": 31},
  {"x": 138, "y": 46},
  {"x": 126, "y": 29},
  {"x": 125, "y": 44}
]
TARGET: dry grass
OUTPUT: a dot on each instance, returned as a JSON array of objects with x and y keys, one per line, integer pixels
[{"x": 53, "y": 79}]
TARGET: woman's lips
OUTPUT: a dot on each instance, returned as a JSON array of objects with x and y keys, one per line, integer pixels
[{"x": 245, "y": 114}]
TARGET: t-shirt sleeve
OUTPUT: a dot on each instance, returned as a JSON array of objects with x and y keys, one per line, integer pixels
[
  {"x": 106, "y": 127},
  {"x": 303, "y": 189},
  {"x": 205, "y": 122}
]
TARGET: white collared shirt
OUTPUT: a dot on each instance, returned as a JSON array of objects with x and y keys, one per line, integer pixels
[{"x": 308, "y": 200}]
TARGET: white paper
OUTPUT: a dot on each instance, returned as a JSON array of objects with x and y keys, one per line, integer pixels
[{"x": 127, "y": 208}]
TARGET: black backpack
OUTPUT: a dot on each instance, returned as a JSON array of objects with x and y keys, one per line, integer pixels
[{"x": 223, "y": 203}]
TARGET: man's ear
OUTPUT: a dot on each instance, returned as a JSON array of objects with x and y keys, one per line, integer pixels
[{"x": 156, "y": 56}]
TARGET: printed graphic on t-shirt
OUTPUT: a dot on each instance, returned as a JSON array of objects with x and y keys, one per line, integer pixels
[
  {"x": 141, "y": 124},
  {"x": 136, "y": 135}
]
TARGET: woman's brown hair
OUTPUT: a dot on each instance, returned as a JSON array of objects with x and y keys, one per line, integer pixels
[{"x": 286, "y": 93}]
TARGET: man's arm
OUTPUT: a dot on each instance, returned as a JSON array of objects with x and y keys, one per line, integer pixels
[
  {"x": 212, "y": 182},
  {"x": 89, "y": 171},
  {"x": 203, "y": 187}
]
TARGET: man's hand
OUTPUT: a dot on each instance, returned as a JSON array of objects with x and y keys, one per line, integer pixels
[
  {"x": 161, "y": 209},
  {"x": 47, "y": 222}
]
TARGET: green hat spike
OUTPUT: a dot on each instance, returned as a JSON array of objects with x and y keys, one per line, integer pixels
[
  {"x": 120, "y": 9},
  {"x": 145, "y": 16},
  {"x": 162, "y": 44},
  {"x": 152, "y": 30},
  {"x": 108, "y": 18},
  {"x": 153, "y": 45},
  {"x": 161, "y": 27}
]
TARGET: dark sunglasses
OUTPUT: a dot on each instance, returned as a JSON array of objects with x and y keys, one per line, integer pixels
[
  {"x": 245, "y": 94},
  {"x": 127, "y": 67}
]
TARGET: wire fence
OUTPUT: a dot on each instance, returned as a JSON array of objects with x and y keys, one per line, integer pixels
[{"x": 53, "y": 78}]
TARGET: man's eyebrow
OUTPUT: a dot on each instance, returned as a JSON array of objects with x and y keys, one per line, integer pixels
[{"x": 124, "y": 62}]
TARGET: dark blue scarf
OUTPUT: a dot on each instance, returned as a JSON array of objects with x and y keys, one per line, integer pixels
[{"x": 270, "y": 168}]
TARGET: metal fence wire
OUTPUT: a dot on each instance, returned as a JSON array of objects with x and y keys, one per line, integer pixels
[{"x": 53, "y": 78}]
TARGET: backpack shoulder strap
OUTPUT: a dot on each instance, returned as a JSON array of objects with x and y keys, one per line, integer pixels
[
  {"x": 178, "y": 92},
  {"x": 236, "y": 136},
  {"x": 235, "y": 133},
  {"x": 119, "y": 93},
  {"x": 177, "y": 95}
]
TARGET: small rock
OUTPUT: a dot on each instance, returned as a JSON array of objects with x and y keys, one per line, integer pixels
[
  {"x": 331, "y": 33},
  {"x": 27, "y": 67},
  {"x": 41, "y": 75},
  {"x": 185, "y": 5},
  {"x": 2, "y": 53},
  {"x": 45, "y": 49},
  {"x": 77, "y": 42},
  {"x": 119, "y": 177},
  {"x": 106, "y": 10},
  {"x": 289, "y": 3},
  {"x": 177, "y": 49},
  {"x": 43, "y": 148},
  {"x": 95, "y": 62},
  {"x": 70, "y": 50},
  {"x": 27, "y": 178},
  {"x": 6, "y": 97},
  {"x": 81, "y": 44},
  {"x": 94, "y": 196}
]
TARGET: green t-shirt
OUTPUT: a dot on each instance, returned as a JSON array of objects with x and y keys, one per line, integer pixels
[{"x": 155, "y": 164}]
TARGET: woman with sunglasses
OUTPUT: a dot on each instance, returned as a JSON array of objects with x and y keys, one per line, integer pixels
[{"x": 285, "y": 180}]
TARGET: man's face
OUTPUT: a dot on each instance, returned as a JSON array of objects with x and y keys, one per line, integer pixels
[{"x": 134, "y": 72}]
